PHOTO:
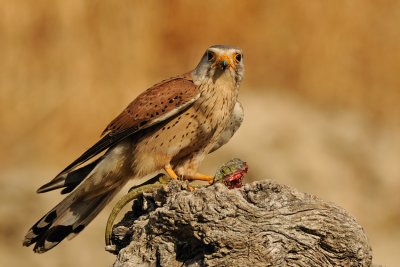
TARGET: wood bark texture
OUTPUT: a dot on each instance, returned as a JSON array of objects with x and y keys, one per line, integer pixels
[{"x": 260, "y": 224}]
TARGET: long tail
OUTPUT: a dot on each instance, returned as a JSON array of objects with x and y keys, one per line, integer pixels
[{"x": 78, "y": 209}]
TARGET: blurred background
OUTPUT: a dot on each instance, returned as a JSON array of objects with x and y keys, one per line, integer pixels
[{"x": 321, "y": 97}]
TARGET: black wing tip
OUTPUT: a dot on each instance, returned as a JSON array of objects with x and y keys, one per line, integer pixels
[
  {"x": 52, "y": 185},
  {"x": 69, "y": 181},
  {"x": 43, "y": 189}
]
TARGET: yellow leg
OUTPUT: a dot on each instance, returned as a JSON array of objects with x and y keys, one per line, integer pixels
[
  {"x": 170, "y": 172},
  {"x": 200, "y": 177},
  {"x": 168, "y": 169}
]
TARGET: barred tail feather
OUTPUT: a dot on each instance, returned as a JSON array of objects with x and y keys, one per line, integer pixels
[
  {"x": 92, "y": 186},
  {"x": 67, "y": 219}
]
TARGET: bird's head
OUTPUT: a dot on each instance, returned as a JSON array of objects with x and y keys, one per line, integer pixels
[{"x": 220, "y": 60}]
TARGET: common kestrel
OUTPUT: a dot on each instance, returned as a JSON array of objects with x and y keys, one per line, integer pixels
[{"x": 170, "y": 127}]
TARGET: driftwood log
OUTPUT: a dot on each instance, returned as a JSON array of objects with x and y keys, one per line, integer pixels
[{"x": 260, "y": 224}]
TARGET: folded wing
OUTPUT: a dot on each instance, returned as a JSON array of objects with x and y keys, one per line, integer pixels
[{"x": 153, "y": 106}]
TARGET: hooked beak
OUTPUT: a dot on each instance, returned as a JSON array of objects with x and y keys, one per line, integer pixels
[{"x": 223, "y": 62}]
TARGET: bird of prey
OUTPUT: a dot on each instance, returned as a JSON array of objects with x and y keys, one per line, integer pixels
[{"x": 168, "y": 128}]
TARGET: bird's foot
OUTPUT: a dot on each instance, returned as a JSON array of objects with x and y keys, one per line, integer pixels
[
  {"x": 200, "y": 177},
  {"x": 168, "y": 169},
  {"x": 230, "y": 174},
  {"x": 196, "y": 177}
]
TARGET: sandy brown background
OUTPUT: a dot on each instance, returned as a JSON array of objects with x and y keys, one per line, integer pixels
[{"x": 321, "y": 96}]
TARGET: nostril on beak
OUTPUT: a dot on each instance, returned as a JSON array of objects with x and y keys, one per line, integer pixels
[{"x": 223, "y": 64}]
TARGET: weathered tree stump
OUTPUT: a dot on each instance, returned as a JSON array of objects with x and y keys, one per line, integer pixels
[{"x": 260, "y": 224}]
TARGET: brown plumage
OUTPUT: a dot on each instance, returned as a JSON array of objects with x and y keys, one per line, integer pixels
[{"x": 171, "y": 126}]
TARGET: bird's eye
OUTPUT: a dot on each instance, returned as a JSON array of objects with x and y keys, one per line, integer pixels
[
  {"x": 210, "y": 55},
  {"x": 238, "y": 58}
]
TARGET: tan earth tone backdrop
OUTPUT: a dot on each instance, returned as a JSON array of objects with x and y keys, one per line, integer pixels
[{"x": 321, "y": 96}]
